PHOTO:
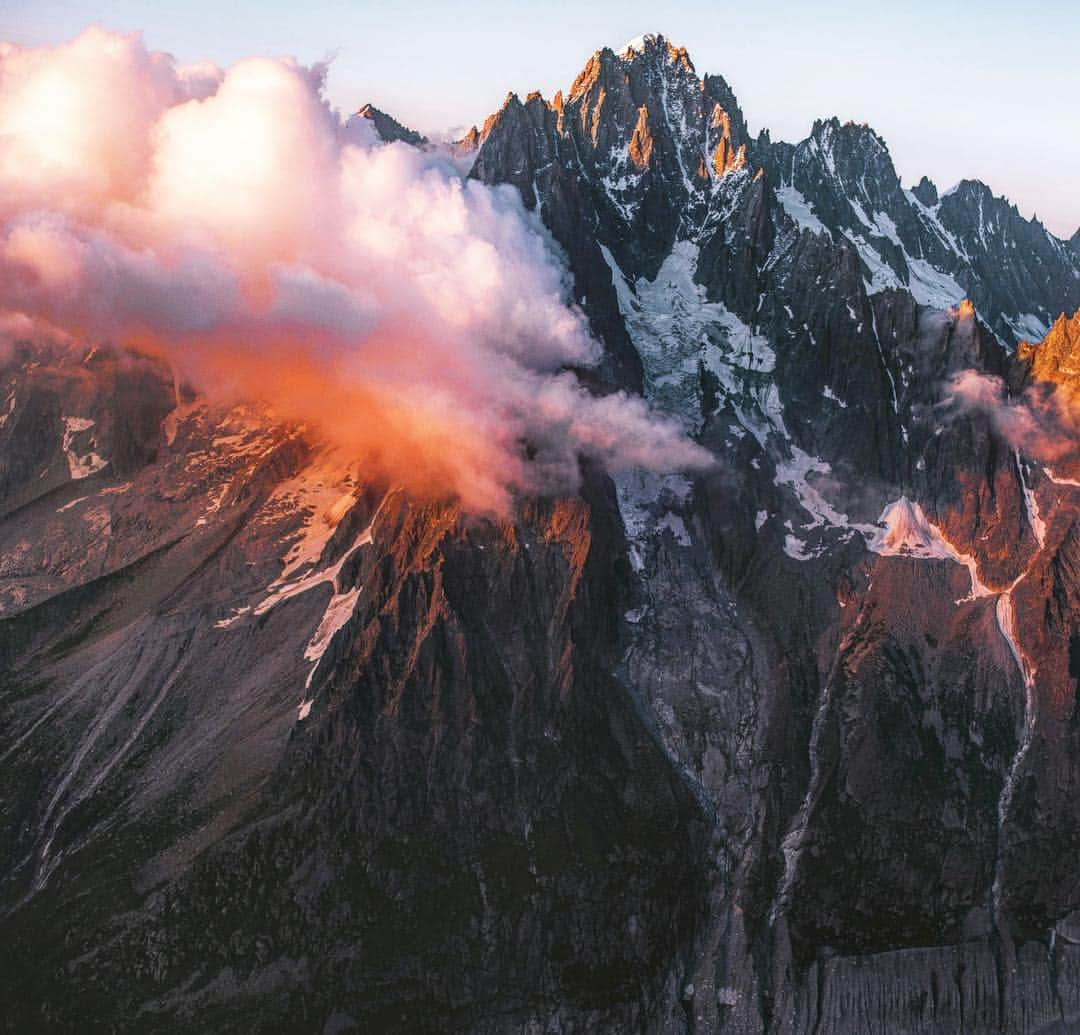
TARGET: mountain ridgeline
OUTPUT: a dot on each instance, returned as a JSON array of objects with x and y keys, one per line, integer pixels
[{"x": 791, "y": 745}]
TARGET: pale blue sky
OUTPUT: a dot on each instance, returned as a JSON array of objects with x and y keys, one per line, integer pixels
[{"x": 988, "y": 89}]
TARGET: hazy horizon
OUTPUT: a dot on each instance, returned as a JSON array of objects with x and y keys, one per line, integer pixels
[{"x": 944, "y": 89}]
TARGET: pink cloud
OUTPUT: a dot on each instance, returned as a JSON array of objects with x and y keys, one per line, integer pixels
[
  {"x": 231, "y": 221},
  {"x": 1044, "y": 422}
]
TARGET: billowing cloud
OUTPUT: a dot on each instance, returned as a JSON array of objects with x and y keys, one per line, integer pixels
[
  {"x": 1043, "y": 422},
  {"x": 231, "y": 221}
]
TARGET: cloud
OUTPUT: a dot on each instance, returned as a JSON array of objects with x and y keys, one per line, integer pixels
[
  {"x": 231, "y": 221},
  {"x": 1044, "y": 422}
]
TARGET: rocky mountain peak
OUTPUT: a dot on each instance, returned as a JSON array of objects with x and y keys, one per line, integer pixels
[
  {"x": 650, "y": 55},
  {"x": 1057, "y": 356},
  {"x": 469, "y": 143},
  {"x": 648, "y": 141},
  {"x": 969, "y": 190},
  {"x": 389, "y": 129},
  {"x": 849, "y": 139},
  {"x": 926, "y": 192},
  {"x": 655, "y": 46}
]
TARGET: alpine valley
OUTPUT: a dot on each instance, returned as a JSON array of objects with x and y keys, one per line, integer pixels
[{"x": 791, "y": 745}]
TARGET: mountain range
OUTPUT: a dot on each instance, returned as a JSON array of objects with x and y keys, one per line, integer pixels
[{"x": 791, "y": 745}]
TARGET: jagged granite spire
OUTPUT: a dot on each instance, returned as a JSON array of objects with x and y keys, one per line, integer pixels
[
  {"x": 653, "y": 147},
  {"x": 389, "y": 129},
  {"x": 926, "y": 192},
  {"x": 468, "y": 144},
  {"x": 649, "y": 142},
  {"x": 1057, "y": 357}
]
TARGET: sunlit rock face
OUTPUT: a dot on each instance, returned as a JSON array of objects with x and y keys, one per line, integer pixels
[
  {"x": 786, "y": 746},
  {"x": 1057, "y": 356}
]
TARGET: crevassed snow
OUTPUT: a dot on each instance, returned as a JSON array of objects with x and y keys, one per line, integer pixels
[
  {"x": 646, "y": 501},
  {"x": 675, "y": 329},
  {"x": 677, "y": 332},
  {"x": 796, "y": 205}
]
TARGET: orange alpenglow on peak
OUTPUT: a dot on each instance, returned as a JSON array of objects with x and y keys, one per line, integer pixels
[
  {"x": 641, "y": 143},
  {"x": 646, "y": 42},
  {"x": 1057, "y": 356},
  {"x": 966, "y": 309}
]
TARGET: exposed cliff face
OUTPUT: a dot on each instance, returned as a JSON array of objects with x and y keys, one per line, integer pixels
[
  {"x": 388, "y": 128},
  {"x": 647, "y": 140},
  {"x": 789, "y": 747},
  {"x": 1057, "y": 357}
]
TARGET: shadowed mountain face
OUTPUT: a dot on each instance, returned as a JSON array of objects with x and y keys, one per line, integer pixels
[
  {"x": 388, "y": 128},
  {"x": 788, "y": 747}
]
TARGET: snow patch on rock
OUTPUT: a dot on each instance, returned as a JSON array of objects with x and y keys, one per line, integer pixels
[
  {"x": 801, "y": 211},
  {"x": 907, "y": 532},
  {"x": 88, "y": 463}
]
